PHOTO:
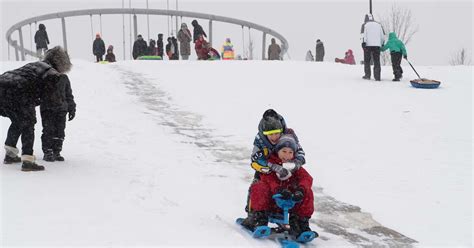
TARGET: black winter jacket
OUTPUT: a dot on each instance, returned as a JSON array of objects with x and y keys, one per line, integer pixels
[
  {"x": 139, "y": 48},
  {"x": 57, "y": 96},
  {"x": 98, "y": 47},
  {"x": 197, "y": 31},
  {"x": 41, "y": 39}
]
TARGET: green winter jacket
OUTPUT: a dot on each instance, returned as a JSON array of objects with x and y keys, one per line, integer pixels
[{"x": 394, "y": 44}]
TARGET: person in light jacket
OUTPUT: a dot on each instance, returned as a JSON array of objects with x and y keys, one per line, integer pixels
[
  {"x": 372, "y": 40},
  {"x": 184, "y": 38}
]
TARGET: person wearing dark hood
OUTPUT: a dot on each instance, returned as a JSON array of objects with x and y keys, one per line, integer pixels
[
  {"x": 176, "y": 48},
  {"x": 57, "y": 101},
  {"x": 274, "y": 51},
  {"x": 184, "y": 37},
  {"x": 139, "y": 47},
  {"x": 197, "y": 31},
  {"x": 20, "y": 92},
  {"x": 159, "y": 44},
  {"x": 372, "y": 39},
  {"x": 98, "y": 48},
  {"x": 41, "y": 40},
  {"x": 319, "y": 51},
  {"x": 110, "y": 56}
]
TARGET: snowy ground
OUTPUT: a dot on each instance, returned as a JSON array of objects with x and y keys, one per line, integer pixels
[{"x": 158, "y": 156}]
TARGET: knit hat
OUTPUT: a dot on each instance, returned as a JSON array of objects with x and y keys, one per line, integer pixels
[{"x": 286, "y": 141}]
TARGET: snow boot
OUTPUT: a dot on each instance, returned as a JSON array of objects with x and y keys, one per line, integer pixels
[
  {"x": 11, "y": 155},
  {"x": 11, "y": 160},
  {"x": 299, "y": 227},
  {"x": 58, "y": 157},
  {"x": 255, "y": 219},
  {"x": 366, "y": 77},
  {"x": 49, "y": 156},
  {"x": 396, "y": 79},
  {"x": 29, "y": 164}
]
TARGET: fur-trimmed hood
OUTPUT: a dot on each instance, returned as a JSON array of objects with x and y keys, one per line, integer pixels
[{"x": 58, "y": 59}]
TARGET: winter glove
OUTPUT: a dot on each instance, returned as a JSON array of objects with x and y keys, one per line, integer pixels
[
  {"x": 72, "y": 114},
  {"x": 281, "y": 172},
  {"x": 363, "y": 45},
  {"x": 405, "y": 56},
  {"x": 285, "y": 194},
  {"x": 298, "y": 195},
  {"x": 289, "y": 166}
]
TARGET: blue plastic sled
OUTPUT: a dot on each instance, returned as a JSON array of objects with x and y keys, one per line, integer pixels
[
  {"x": 424, "y": 83},
  {"x": 282, "y": 220}
]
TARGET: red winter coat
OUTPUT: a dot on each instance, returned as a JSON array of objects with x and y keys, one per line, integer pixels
[
  {"x": 202, "y": 51},
  {"x": 262, "y": 191},
  {"x": 348, "y": 59}
]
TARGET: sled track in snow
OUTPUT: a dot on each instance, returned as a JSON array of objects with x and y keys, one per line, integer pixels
[{"x": 332, "y": 217}]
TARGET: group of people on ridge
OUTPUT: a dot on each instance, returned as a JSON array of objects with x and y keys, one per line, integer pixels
[{"x": 42, "y": 83}]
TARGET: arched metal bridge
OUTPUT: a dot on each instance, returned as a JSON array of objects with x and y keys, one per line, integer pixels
[{"x": 20, "y": 48}]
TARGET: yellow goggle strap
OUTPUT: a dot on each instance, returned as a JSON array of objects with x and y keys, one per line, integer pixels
[{"x": 272, "y": 131}]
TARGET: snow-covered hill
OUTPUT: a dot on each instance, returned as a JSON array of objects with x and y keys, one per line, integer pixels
[{"x": 158, "y": 155}]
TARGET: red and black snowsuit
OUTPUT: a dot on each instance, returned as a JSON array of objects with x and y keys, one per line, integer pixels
[
  {"x": 261, "y": 192},
  {"x": 202, "y": 49}
]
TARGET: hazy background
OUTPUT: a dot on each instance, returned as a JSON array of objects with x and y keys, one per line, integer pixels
[{"x": 444, "y": 26}]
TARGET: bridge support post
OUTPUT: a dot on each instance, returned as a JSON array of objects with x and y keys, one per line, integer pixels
[
  {"x": 263, "y": 45},
  {"x": 135, "y": 27},
  {"x": 210, "y": 32},
  {"x": 21, "y": 44},
  {"x": 63, "y": 23},
  {"x": 15, "y": 45}
]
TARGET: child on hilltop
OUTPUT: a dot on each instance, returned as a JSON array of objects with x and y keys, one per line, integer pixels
[
  {"x": 110, "y": 56},
  {"x": 397, "y": 50}
]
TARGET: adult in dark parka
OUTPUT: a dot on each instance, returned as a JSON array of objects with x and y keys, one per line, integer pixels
[
  {"x": 319, "y": 51},
  {"x": 197, "y": 31},
  {"x": 140, "y": 47},
  {"x": 98, "y": 47},
  {"x": 41, "y": 40},
  {"x": 20, "y": 92},
  {"x": 159, "y": 44}
]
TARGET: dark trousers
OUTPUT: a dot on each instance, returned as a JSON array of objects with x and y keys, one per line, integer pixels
[
  {"x": 369, "y": 53},
  {"x": 54, "y": 124},
  {"x": 396, "y": 61},
  {"x": 98, "y": 57},
  {"x": 23, "y": 124}
]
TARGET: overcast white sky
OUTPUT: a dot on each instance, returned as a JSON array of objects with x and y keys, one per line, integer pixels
[{"x": 444, "y": 26}]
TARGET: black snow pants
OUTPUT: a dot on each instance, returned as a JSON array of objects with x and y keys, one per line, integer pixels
[
  {"x": 396, "y": 61},
  {"x": 369, "y": 53},
  {"x": 23, "y": 124},
  {"x": 54, "y": 124}
]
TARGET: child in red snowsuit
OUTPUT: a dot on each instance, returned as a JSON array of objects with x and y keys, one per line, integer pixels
[
  {"x": 298, "y": 185},
  {"x": 201, "y": 47},
  {"x": 348, "y": 58}
]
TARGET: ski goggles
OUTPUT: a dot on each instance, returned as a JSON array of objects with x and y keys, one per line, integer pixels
[{"x": 273, "y": 131}]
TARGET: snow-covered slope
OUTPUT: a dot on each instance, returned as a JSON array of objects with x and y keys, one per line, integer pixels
[{"x": 158, "y": 154}]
